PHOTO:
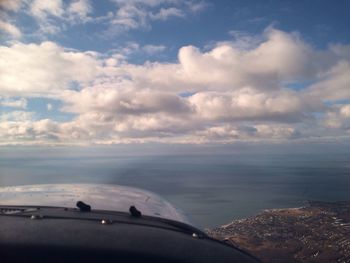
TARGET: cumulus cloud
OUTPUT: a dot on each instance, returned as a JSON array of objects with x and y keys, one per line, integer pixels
[
  {"x": 17, "y": 116},
  {"x": 26, "y": 132},
  {"x": 79, "y": 10},
  {"x": 124, "y": 101},
  {"x": 10, "y": 29},
  {"x": 10, "y": 5},
  {"x": 40, "y": 70},
  {"x": 6, "y": 24},
  {"x": 334, "y": 84},
  {"x": 280, "y": 57},
  {"x": 224, "y": 93},
  {"x": 338, "y": 116},
  {"x": 248, "y": 104},
  {"x": 44, "y": 8},
  {"x": 73, "y": 11}
]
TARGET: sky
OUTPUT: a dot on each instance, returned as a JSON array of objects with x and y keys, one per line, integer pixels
[{"x": 84, "y": 72}]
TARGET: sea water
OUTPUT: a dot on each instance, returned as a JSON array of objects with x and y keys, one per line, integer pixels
[{"x": 212, "y": 187}]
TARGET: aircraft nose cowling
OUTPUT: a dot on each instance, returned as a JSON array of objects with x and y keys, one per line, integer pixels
[{"x": 98, "y": 196}]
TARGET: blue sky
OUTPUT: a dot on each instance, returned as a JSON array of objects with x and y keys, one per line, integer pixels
[
  {"x": 320, "y": 23},
  {"x": 173, "y": 71}
]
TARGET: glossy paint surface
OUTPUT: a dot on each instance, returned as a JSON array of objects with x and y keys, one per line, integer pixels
[{"x": 98, "y": 196}]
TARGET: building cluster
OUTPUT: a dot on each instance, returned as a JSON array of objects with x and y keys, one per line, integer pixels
[{"x": 319, "y": 232}]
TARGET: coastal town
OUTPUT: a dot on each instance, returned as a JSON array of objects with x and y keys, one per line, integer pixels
[{"x": 318, "y": 232}]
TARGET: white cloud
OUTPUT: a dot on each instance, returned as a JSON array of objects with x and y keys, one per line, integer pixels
[
  {"x": 79, "y": 10},
  {"x": 222, "y": 94},
  {"x": 10, "y": 5},
  {"x": 278, "y": 59},
  {"x": 153, "y": 49},
  {"x": 42, "y": 8},
  {"x": 40, "y": 70},
  {"x": 130, "y": 17},
  {"x": 133, "y": 48},
  {"x": 124, "y": 101},
  {"x": 281, "y": 57},
  {"x": 197, "y": 6},
  {"x": 165, "y": 13},
  {"x": 51, "y": 16},
  {"x": 17, "y": 116},
  {"x": 7, "y": 25},
  {"x": 334, "y": 84},
  {"x": 345, "y": 111},
  {"x": 136, "y": 14},
  {"x": 226, "y": 133},
  {"x": 27, "y": 132},
  {"x": 49, "y": 107},
  {"x": 248, "y": 104},
  {"x": 13, "y": 103},
  {"x": 10, "y": 29},
  {"x": 338, "y": 116}
]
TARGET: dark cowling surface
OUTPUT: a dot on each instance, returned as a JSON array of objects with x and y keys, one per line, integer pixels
[{"x": 58, "y": 235}]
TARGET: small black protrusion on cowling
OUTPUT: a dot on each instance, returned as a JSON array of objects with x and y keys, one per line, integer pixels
[
  {"x": 134, "y": 212},
  {"x": 83, "y": 207}
]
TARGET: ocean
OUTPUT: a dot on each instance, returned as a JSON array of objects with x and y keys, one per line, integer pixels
[{"x": 211, "y": 186}]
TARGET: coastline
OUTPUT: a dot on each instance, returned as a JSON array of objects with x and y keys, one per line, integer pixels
[{"x": 317, "y": 232}]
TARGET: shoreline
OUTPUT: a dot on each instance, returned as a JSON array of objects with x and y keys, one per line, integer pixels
[{"x": 317, "y": 232}]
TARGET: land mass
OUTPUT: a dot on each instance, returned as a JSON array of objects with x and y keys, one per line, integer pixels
[{"x": 318, "y": 232}]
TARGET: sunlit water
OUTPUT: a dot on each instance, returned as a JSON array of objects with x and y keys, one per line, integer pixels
[{"x": 212, "y": 189}]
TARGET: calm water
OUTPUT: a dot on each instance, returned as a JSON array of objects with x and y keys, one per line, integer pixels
[{"x": 212, "y": 189}]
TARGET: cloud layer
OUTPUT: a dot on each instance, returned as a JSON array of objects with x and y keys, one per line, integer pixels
[{"x": 276, "y": 87}]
